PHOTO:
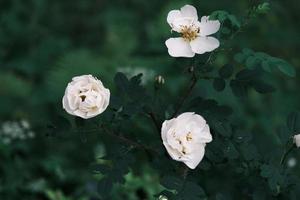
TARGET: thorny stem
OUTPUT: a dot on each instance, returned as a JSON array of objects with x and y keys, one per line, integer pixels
[
  {"x": 189, "y": 90},
  {"x": 155, "y": 122},
  {"x": 129, "y": 141},
  {"x": 192, "y": 85},
  {"x": 123, "y": 139}
]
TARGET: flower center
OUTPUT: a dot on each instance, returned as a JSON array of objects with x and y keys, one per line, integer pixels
[
  {"x": 82, "y": 97},
  {"x": 189, "y": 33},
  {"x": 189, "y": 136}
]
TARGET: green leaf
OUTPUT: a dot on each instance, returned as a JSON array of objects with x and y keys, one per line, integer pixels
[
  {"x": 223, "y": 128},
  {"x": 265, "y": 65},
  {"x": 239, "y": 57},
  {"x": 262, "y": 87},
  {"x": 214, "y": 152},
  {"x": 266, "y": 171},
  {"x": 246, "y": 75},
  {"x": 122, "y": 159},
  {"x": 223, "y": 16},
  {"x": 249, "y": 152},
  {"x": 191, "y": 191},
  {"x": 226, "y": 71},
  {"x": 230, "y": 151},
  {"x": 251, "y": 62},
  {"x": 171, "y": 182},
  {"x": 247, "y": 52},
  {"x": 286, "y": 69},
  {"x": 219, "y": 84},
  {"x": 274, "y": 177},
  {"x": 259, "y": 59},
  {"x": 238, "y": 88},
  {"x": 121, "y": 81}
]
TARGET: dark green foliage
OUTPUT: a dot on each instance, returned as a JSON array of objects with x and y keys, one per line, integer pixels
[
  {"x": 246, "y": 79},
  {"x": 131, "y": 97},
  {"x": 226, "y": 71},
  {"x": 219, "y": 84},
  {"x": 114, "y": 174},
  {"x": 224, "y": 16},
  {"x": 266, "y": 62},
  {"x": 184, "y": 189}
]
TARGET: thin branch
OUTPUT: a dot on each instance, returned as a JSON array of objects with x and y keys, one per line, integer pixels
[
  {"x": 185, "y": 172},
  {"x": 129, "y": 141},
  {"x": 285, "y": 154},
  {"x": 186, "y": 95},
  {"x": 119, "y": 137},
  {"x": 155, "y": 122}
]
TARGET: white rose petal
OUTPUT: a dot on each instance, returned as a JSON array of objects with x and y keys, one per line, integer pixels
[
  {"x": 194, "y": 34},
  {"x": 189, "y": 11},
  {"x": 208, "y": 27},
  {"x": 177, "y": 47},
  {"x": 85, "y": 97},
  {"x": 297, "y": 140},
  {"x": 204, "y": 44},
  {"x": 172, "y": 16},
  {"x": 185, "y": 138}
]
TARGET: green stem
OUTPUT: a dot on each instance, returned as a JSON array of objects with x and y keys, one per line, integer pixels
[
  {"x": 192, "y": 85},
  {"x": 285, "y": 154},
  {"x": 129, "y": 141},
  {"x": 119, "y": 137},
  {"x": 189, "y": 90},
  {"x": 155, "y": 122}
]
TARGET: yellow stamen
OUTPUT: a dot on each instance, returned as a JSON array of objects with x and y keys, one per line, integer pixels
[
  {"x": 189, "y": 136},
  {"x": 189, "y": 33}
]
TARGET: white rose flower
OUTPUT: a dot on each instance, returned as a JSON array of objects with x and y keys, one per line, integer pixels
[
  {"x": 194, "y": 34},
  {"x": 85, "y": 97},
  {"x": 297, "y": 140},
  {"x": 185, "y": 138}
]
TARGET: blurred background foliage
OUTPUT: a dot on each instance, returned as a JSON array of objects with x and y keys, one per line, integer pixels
[{"x": 43, "y": 44}]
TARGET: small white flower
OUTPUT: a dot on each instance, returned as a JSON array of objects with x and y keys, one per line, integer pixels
[
  {"x": 25, "y": 124},
  {"x": 185, "y": 138},
  {"x": 194, "y": 34},
  {"x": 297, "y": 140},
  {"x": 15, "y": 130},
  {"x": 85, "y": 97}
]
